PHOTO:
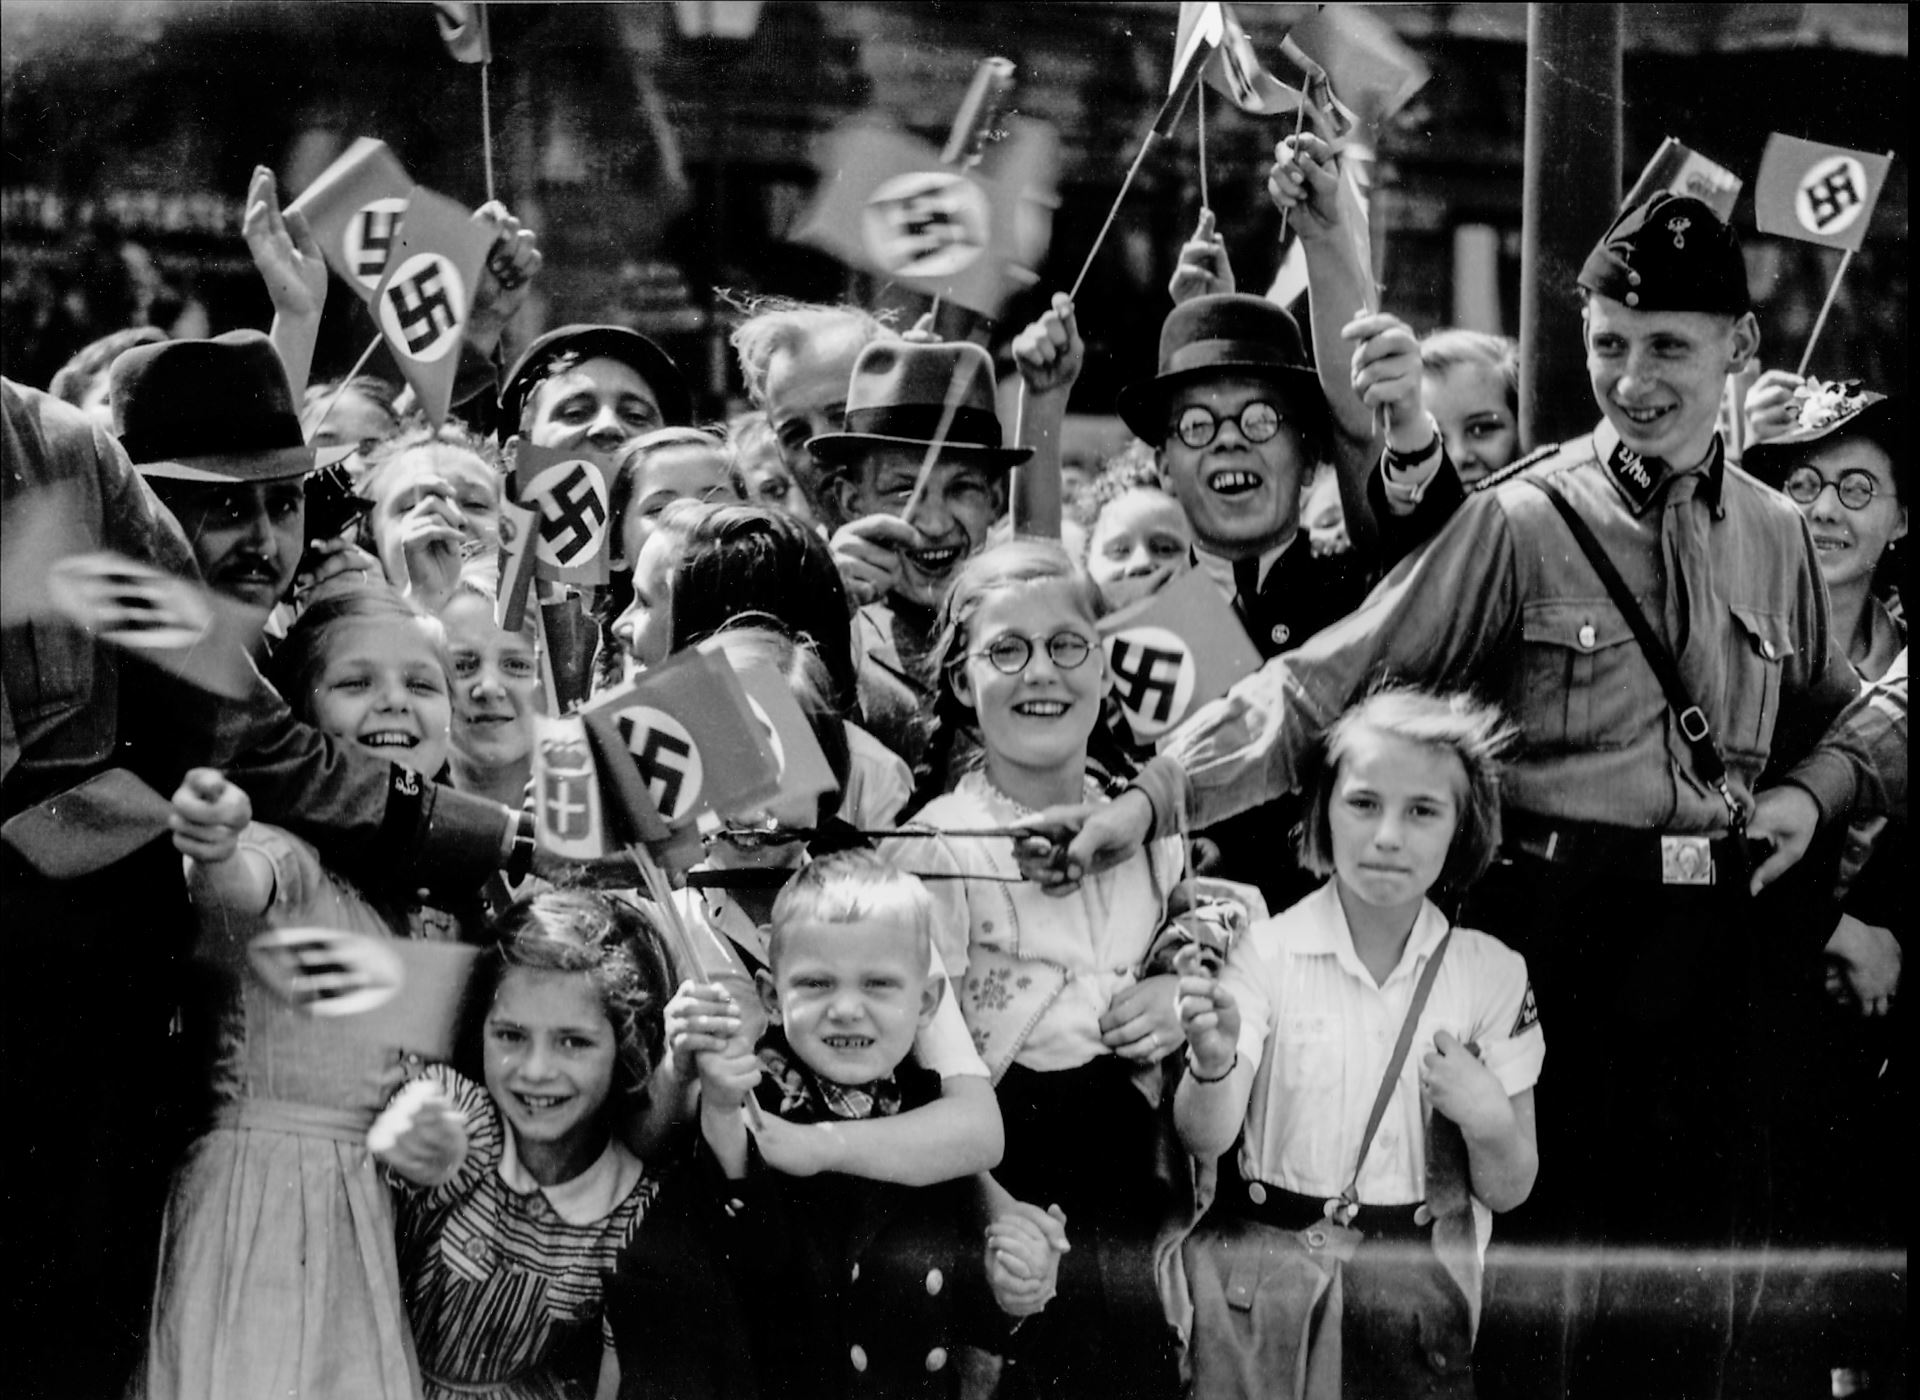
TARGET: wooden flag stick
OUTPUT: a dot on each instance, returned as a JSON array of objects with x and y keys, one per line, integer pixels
[
  {"x": 1299, "y": 124},
  {"x": 486, "y": 125},
  {"x": 1101, "y": 237},
  {"x": 346, "y": 379},
  {"x": 1200, "y": 121},
  {"x": 956, "y": 391},
  {"x": 1833, "y": 290}
]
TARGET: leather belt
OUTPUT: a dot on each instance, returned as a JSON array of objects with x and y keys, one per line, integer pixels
[
  {"x": 1289, "y": 1210},
  {"x": 1625, "y": 853}
]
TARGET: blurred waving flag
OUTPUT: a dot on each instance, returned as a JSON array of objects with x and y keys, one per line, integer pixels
[
  {"x": 1359, "y": 57},
  {"x": 568, "y": 492},
  {"x": 463, "y": 29},
  {"x": 887, "y": 203},
  {"x": 799, "y": 765},
  {"x": 1817, "y": 193},
  {"x": 354, "y": 209},
  {"x": 1678, "y": 170},
  {"x": 424, "y": 300}
]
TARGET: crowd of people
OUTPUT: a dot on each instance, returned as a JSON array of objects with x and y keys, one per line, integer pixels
[{"x": 1030, "y": 1059}]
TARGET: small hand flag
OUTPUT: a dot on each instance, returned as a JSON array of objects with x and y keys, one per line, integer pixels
[
  {"x": 354, "y": 209},
  {"x": 1817, "y": 193},
  {"x": 1173, "y": 652},
  {"x": 1678, "y": 170},
  {"x": 426, "y": 297},
  {"x": 568, "y": 493}
]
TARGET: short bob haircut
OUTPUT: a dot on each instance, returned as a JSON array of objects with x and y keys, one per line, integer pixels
[
  {"x": 631, "y": 460},
  {"x": 849, "y": 887},
  {"x": 618, "y": 948},
  {"x": 300, "y": 659},
  {"x": 1450, "y": 347},
  {"x": 1475, "y": 733},
  {"x": 745, "y": 560},
  {"x": 996, "y": 568}
]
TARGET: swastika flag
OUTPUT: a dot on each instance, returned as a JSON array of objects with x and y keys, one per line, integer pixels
[
  {"x": 568, "y": 491},
  {"x": 889, "y": 205},
  {"x": 1819, "y": 194},
  {"x": 423, "y": 302},
  {"x": 694, "y": 741},
  {"x": 1172, "y": 652},
  {"x": 354, "y": 209}
]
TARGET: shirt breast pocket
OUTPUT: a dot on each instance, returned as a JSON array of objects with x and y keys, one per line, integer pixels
[
  {"x": 1579, "y": 688},
  {"x": 1757, "y": 647}
]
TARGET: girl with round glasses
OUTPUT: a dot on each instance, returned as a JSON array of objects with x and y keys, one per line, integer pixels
[
  {"x": 1053, "y": 989},
  {"x": 1840, "y": 454}
]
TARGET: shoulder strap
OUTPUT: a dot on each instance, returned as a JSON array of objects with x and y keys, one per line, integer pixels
[
  {"x": 1391, "y": 1079},
  {"x": 1692, "y": 719}
]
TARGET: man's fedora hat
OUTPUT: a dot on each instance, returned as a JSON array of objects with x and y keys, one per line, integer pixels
[
  {"x": 903, "y": 390},
  {"x": 1220, "y": 336},
  {"x": 214, "y": 410},
  {"x": 578, "y": 343}
]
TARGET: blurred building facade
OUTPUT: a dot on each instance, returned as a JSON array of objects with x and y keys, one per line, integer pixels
[{"x": 665, "y": 150}]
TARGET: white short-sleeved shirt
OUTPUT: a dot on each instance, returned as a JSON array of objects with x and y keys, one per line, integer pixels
[
  {"x": 721, "y": 928},
  {"x": 1322, "y": 1031},
  {"x": 878, "y": 783}
]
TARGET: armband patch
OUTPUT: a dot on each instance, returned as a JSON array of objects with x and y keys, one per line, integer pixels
[{"x": 1529, "y": 1016}]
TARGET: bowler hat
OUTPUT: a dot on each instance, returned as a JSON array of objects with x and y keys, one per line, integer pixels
[
  {"x": 577, "y": 342},
  {"x": 1669, "y": 252},
  {"x": 1218, "y": 337},
  {"x": 907, "y": 393},
  {"x": 209, "y": 410}
]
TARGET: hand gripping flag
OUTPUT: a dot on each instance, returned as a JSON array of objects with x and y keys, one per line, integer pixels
[
  {"x": 1678, "y": 170},
  {"x": 463, "y": 29},
  {"x": 1819, "y": 194},
  {"x": 568, "y": 492},
  {"x": 888, "y": 204},
  {"x": 354, "y": 209},
  {"x": 687, "y": 730},
  {"x": 423, "y": 303},
  {"x": 1173, "y": 652}
]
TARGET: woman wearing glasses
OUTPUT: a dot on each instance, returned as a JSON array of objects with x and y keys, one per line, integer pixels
[
  {"x": 1840, "y": 453},
  {"x": 1053, "y": 989}
]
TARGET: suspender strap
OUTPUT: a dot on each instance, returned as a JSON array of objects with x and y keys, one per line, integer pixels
[
  {"x": 1692, "y": 719},
  {"x": 1391, "y": 1079}
]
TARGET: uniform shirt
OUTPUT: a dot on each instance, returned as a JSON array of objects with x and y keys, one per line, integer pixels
[
  {"x": 1321, "y": 1031},
  {"x": 1503, "y": 602}
]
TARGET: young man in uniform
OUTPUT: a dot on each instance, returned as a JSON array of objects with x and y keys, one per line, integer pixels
[{"x": 1625, "y": 880}]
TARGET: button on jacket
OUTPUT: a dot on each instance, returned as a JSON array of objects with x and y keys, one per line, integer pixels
[{"x": 1504, "y": 602}]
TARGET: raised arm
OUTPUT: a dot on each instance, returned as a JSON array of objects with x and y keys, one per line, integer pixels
[{"x": 289, "y": 261}]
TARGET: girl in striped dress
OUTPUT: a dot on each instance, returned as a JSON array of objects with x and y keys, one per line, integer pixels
[{"x": 516, "y": 1198}]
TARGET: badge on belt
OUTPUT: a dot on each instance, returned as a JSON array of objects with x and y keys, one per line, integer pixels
[{"x": 1686, "y": 860}]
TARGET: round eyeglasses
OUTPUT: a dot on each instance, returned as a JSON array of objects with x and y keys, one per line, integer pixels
[
  {"x": 1855, "y": 487},
  {"x": 1010, "y": 652},
  {"x": 1197, "y": 426}
]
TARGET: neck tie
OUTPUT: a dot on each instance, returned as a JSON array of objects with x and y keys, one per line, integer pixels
[
  {"x": 1246, "y": 583},
  {"x": 1695, "y": 622}
]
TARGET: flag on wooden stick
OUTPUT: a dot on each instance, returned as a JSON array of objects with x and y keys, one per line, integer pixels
[
  {"x": 354, "y": 210},
  {"x": 969, "y": 235},
  {"x": 568, "y": 493},
  {"x": 423, "y": 303},
  {"x": 1173, "y": 652}
]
